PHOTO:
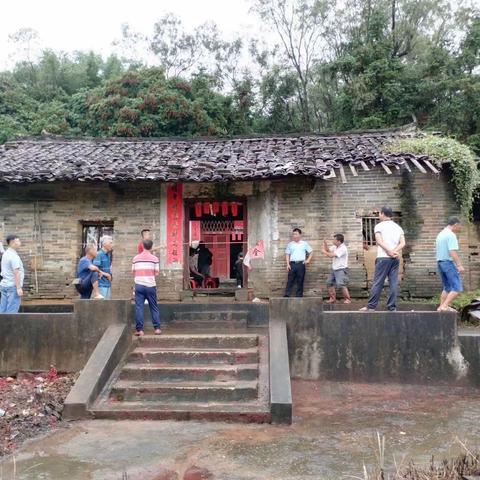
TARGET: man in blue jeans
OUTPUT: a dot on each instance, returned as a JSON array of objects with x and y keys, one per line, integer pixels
[
  {"x": 103, "y": 261},
  {"x": 390, "y": 240},
  {"x": 145, "y": 268},
  {"x": 449, "y": 265},
  {"x": 11, "y": 286}
]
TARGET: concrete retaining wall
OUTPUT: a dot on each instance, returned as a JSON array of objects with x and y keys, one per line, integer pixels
[
  {"x": 35, "y": 341},
  {"x": 419, "y": 347}
]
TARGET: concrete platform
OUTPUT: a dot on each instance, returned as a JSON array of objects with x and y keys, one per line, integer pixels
[{"x": 333, "y": 435}]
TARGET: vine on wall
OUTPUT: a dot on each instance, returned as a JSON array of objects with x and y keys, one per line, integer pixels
[{"x": 466, "y": 176}]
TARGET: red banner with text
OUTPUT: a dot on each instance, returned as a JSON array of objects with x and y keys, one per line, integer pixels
[{"x": 174, "y": 223}]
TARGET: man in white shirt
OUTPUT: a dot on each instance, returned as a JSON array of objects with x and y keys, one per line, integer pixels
[
  {"x": 11, "y": 286},
  {"x": 338, "y": 252},
  {"x": 390, "y": 239},
  {"x": 297, "y": 254}
]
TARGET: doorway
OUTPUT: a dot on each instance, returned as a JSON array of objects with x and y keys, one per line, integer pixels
[{"x": 222, "y": 227}]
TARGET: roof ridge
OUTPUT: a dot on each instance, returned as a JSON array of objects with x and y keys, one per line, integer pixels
[{"x": 409, "y": 128}]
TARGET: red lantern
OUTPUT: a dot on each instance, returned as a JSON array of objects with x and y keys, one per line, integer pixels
[
  {"x": 216, "y": 207},
  {"x": 206, "y": 208},
  {"x": 224, "y": 209},
  {"x": 198, "y": 209},
  {"x": 234, "y": 207}
]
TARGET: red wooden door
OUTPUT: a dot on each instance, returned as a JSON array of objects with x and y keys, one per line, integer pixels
[{"x": 219, "y": 245}]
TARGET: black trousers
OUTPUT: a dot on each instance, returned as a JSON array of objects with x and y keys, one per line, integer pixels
[{"x": 295, "y": 275}]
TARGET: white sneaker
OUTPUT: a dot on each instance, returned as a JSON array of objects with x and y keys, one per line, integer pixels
[
  {"x": 146, "y": 302},
  {"x": 98, "y": 297}
]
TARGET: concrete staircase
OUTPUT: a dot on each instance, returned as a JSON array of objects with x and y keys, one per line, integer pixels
[
  {"x": 210, "y": 319},
  {"x": 186, "y": 376}
]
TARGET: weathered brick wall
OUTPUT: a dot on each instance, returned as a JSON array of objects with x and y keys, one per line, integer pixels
[
  {"x": 59, "y": 210},
  {"x": 323, "y": 208},
  {"x": 320, "y": 208}
]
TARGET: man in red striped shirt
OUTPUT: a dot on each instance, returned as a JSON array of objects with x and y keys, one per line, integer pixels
[{"x": 145, "y": 268}]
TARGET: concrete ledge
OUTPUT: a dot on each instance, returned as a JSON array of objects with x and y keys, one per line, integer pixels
[
  {"x": 280, "y": 387},
  {"x": 106, "y": 356},
  {"x": 470, "y": 347}
]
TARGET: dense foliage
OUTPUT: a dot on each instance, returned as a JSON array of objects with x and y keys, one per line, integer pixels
[{"x": 336, "y": 66}]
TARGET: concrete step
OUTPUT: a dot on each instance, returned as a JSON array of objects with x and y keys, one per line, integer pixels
[
  {"x": 169, "y": 356},
  {"x": 211, "y": 315},
  {"x": 131, "y": 391},
  {"x": 245, "y": 412},
  {"x": 209, "y": 325},
  {"x": 205, "y": 373},
  {"x": 200, "y": 341}
]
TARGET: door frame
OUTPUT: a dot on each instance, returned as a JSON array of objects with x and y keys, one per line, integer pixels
[{"x": 189, "y": 202}]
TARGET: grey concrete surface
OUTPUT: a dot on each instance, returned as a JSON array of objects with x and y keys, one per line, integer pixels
[{"x": 333, "y": 435}]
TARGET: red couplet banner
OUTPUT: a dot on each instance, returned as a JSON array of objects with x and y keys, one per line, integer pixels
[{"x": 174, "y": 223}]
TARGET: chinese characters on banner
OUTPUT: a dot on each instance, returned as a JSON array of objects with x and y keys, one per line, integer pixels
[
  {"x": 174, "y": 223},
  {"x": 258, "y": 251}
]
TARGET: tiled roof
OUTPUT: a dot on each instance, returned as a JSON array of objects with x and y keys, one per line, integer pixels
[{"x": 49, "y": 159}]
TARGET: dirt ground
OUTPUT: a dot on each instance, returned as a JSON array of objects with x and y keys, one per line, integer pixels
[{"x": 30, "y": 404}]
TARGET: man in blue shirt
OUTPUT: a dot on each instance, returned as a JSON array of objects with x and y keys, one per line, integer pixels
[
  {"x": 88, "y": 275},
  {"x": 449, "y": 265},
  {"x": 103, "y": 261},
  {"x": 11, "y": 286},
  {"x": 297, "y": 254}
]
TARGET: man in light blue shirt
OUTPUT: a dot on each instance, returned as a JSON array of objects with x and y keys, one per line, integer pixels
[
  {"x": 11, "y": 286},
  {"x": 449, "y": 265},
  {"x": 297, "y": 254},
  {"x": 103, "y": 261}
]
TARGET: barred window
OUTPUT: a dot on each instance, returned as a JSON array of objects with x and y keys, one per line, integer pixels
[{"x": 368, "y": 227}]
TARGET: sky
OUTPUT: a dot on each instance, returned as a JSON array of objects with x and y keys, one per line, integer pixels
[{"x": 95, "y": 24}]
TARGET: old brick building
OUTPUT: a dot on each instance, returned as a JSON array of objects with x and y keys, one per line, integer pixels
[{"x": 58, "y": 194}]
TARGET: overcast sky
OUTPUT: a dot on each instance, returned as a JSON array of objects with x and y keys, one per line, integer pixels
[{"x": 94, "y": 24}]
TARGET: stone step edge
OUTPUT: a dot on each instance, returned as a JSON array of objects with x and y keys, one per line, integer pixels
[
  {"x": 203, "y": 366},
  {"x": 188, "y": 385},
  {"x": 192, "y": 350}
]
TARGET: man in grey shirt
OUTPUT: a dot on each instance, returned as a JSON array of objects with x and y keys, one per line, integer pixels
[{"x": 11, "y": 285}]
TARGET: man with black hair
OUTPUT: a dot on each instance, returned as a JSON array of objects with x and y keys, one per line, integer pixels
[
  {"x": 390, "y": 240},
  {"x": 145, "y": 268},
  {"x": 297, "y": 254},
  {"x": 449, "y": 264},
  {"x": 338, "y": 252},
  {"x": 145, "y": 234},
  {"x": 11, "y": 285}
]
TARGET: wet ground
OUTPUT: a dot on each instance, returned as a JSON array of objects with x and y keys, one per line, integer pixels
[{"x": 333, "y": 435}]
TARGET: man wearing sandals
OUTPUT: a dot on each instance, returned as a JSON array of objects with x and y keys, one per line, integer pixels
[
  {"x": 338, "y": 252},
  {"x": 449, "y": 265}
]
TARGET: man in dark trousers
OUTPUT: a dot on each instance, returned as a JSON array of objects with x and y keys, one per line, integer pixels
[
  {"x": 390, "y": 240},
  {"x": 297, "y": 254}
]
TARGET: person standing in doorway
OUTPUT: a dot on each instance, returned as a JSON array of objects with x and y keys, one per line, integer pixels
[
  {"x": 338, "y": 277},
  {"x": 11, "y": 286},
  {"x": 239, "y": 270},
  {"x": 298, "y": 254},
  {"x": 390, "y": 240},
  {"x": 449, "y": 265},
  {"x": 88, "y": 275},
  {"x": 205, "y": 257},
  {"x": 103, "y": 261},
  {"x": 145, "y": 268}
]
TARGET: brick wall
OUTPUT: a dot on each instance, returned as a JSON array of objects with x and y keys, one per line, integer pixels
[{"x": 47, "y": 218}]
